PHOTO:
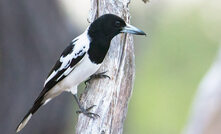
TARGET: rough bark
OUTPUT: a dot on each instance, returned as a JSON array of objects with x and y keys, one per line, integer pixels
[
  {"x": 111, "y": 96},
  {"x": 32, "y": 35},
  {"x": 206, "y": 114}
]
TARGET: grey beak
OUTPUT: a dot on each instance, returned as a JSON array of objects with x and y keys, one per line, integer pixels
[{"x": 132, "y": 30}]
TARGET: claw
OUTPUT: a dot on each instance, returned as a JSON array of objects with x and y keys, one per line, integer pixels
[
  {"x": 97, "y": 76},
  {"x": 87, "y": 113},
  {"x": 88, "y": 109},
  {"x": 102, "y": 75}
]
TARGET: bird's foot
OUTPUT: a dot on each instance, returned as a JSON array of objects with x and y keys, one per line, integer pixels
[
  {"x": 87, "y": 113},
  {"x": 97, "y": 76}
]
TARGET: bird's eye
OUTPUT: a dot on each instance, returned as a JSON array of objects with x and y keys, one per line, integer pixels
[{"x": 117, "y": 23}]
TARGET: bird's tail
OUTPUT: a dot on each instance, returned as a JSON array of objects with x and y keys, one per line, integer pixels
[{"x": 38, "y": 103}]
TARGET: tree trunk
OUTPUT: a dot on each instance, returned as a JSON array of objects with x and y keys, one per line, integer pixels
[
  {"x": 32, "y": 36},
  {"x": 206, "y": 113},
  {"x": 111, "y": 96}
]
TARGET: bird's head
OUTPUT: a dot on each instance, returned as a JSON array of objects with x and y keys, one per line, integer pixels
[{"x": 109, "y": 25}]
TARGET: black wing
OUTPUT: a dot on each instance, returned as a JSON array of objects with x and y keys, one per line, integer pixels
[
  {"x": 63, "y": 67},
  {"x": 70, "y": 57},
  {"x": 67, "y": 62}
]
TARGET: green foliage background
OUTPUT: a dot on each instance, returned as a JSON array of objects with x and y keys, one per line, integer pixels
[{"x": 170, "y": 63}]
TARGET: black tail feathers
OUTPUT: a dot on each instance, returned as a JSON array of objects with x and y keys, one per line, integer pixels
[{"x": 38, "y": 103}]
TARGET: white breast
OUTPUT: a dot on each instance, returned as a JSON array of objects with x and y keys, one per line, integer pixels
[{"x": 81, "y": 72}]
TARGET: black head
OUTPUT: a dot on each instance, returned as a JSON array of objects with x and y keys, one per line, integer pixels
[{"x": 107, "y": 26}]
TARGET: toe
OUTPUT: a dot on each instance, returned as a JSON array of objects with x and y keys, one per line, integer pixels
[
  {"x": 88, "y": 109},
  {"x": 92, "y": 115}
]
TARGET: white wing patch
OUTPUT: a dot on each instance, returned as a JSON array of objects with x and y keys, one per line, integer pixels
[
  {"x": 66, "y": 72},
  {"x": 50, "y": 77},
  {"x": 81, "y": 46}
]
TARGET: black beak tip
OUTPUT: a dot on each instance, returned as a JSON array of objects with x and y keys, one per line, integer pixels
[{"x": 143, "y": 33}]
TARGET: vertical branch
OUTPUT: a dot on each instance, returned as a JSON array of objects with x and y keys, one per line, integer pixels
[
  {"x": 206, "y": 113},
  {"x": 111, "y": 96}
]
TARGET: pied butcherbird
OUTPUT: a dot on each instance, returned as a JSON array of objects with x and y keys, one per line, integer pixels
[{"x": 80, "y": 60}]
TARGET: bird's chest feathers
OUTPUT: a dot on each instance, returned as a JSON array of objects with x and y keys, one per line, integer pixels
[{"x": 81, "y": 72}]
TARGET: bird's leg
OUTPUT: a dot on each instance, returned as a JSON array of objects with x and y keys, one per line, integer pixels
[
  {"x": 97, "y": 76},
  {"x": 85, "y": 111}
]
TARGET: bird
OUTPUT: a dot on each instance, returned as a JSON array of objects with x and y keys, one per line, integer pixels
[{"x": 79, "y": 61}]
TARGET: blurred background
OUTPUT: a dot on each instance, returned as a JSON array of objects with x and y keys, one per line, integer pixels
[{"x": 180, "y": 48}]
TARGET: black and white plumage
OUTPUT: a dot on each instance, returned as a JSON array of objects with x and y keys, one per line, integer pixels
[{"x": 81, "y": 59}]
